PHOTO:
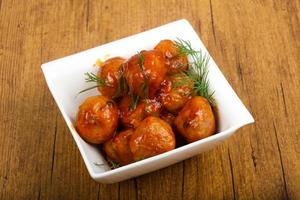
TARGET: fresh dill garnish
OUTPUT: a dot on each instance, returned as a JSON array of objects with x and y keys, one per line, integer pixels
[
  {"x": 180, "y": 79},
  {"x": 113, "y": 164},
  {"x": 115, "y": 133},
  {"x": 118, "y": 91},
  {"x": 185, "y": 47},
  {"x": 87, "y": 89},
  {"x": 134, "y": 100},
  {"x": 144, "y": 89},
  {"x": 141, "y": 60},
  {"x": 197, "y": 71},
  {"x": 125, "y": 85},
  {"x": 121, "y": 86},
  {"x": 91, "y": 77}
]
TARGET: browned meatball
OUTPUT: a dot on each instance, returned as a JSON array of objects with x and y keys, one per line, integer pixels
[
  {"x": 144, "y": 72},
  {"x": 152, "y": 137},
  {"x": 110, "y": 72},
  {"x": 97, "y": 119},
  {"x": 196, "y": 120},
  {"x": 174, "y": 60},
  {"x": 152, "y": 107},
  {"x": 175, "y": 92},
  {"x": 167, "y": 117},
  {"x": 110, "y": 150},
  {"x": 117, "y": 149},
  {"x": 131, "y": 118}
]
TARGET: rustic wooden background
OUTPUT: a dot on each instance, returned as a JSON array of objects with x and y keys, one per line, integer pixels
[{"x": 255, "y": 43}]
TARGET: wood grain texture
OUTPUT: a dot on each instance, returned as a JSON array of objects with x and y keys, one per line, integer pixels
[{"x": 256, "y": 44}]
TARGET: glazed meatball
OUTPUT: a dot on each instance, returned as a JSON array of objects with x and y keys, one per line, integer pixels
[
  {"x": 167, "y": 117},
  {"x": 117, "y": 149},
  {"x": 175, "y": 92},
  {"x": 144, "y": 72},
  {"x": 97, "y": 119},
  {"x": 174, "y": 60},
  {"x": 196, "y": 120},
  {"x": 131, "y": 118},
  {"x": 110, "y": 72},
  {"x": 110, "y": 150},
  {"x": 152, "y": 107},
  {"x": 152, "y": 137}
]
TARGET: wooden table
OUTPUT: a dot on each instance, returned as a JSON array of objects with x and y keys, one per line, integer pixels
[{"x": 256, "y": 44}]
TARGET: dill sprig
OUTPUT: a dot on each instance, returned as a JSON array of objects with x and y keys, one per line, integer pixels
[
  {"x": 113, "y": 164},
  {"x": 91, "y": 77},
  {"x": 121, "y": 85},
  {"x": 197, "y": 71},
  {"x": 144, "y": 89},
  {"x": 134, "y": 100},
  {"x": 141, "y": 60}
]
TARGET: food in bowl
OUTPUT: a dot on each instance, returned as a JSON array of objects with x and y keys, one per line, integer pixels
[{"x": 148, "y": 102}]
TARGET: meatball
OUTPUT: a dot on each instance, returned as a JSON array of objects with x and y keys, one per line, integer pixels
[
  {"x": 174, "y": 60},
  {"x": 97, "y": 119},
  {"x": 144, "y": 73},
  {"x": 110, "y": 150},
  {"x": 167, "y": 117},
  {"x": 110, "y": 72},
  {"x": 175, "y": 92},
  {"x": 196, "y": 120},
  {"x": 152, "y": 107},
  {"x": 117, "y": 149},
  {"x": 152, "y": 137},
  {"x": 131, "y": 118}
]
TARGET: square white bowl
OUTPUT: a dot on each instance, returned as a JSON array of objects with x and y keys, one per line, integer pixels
[{"x": 65, "y": 78}]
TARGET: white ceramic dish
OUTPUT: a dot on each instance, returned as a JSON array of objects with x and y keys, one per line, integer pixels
[{"x": 65, "y": 78}]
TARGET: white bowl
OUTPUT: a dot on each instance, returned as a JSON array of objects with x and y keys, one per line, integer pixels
[{"x": 65, "y": 78}]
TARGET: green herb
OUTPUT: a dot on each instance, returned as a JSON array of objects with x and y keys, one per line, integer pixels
[
  {"x": 125, "y": 86},
  {"x": 198, "y": 70},
  {"x": 185, "y": 47},
  {"x": 179, "y": 66},
  {"x": 121, "y": 85},
  {"x": 180, "y": 79},
  {"x": 141, "y": 60},
  {"x": 144, "y": 89},
  {"x": 91, "y": 77},
  {"x": 118, "y": 91},
  {"x": 113, "y": 164},
  {"x": 115, "y": 133},
  {"x": 134, "y": 100}
]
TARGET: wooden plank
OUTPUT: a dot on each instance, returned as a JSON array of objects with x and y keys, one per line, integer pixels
[
  {"x": 255, "y": 53},
  {"x": 26, "y": 137},
  {"x": 63, "y": 28}
]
